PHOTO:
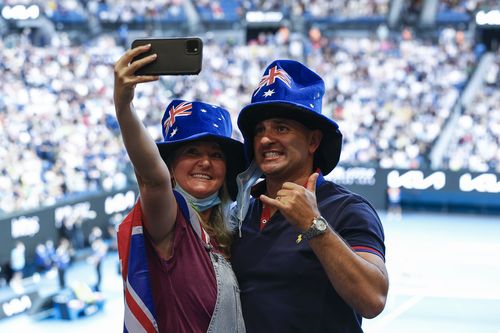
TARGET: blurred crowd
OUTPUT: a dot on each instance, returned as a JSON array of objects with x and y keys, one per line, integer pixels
[
  {"x": 128, "y": 11},
  {"x": 221, "y": 9},
  {"x": 59, "y": 136},
  {"x": 391, "y": 96},
  {"x": 476, "y": 140},
  {"x": 316, "y": 8},
  {"x": 344, "y": 8},
  {"x": 466, "y": 6},
  {"x": 107, "y": 10},
  {"x": 122, "y": 11}
]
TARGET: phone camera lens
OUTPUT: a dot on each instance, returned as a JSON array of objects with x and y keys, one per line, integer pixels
[{"x": 192, "y": 46}]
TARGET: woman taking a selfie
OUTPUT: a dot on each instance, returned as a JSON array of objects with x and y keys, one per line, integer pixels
[{"x": 174, "y": 245}]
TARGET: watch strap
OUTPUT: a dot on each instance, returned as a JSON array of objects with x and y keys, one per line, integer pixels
[{"x": 315, "y": 228}]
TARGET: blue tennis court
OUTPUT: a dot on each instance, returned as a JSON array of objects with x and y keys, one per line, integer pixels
[{"x": 444, "y": 274}]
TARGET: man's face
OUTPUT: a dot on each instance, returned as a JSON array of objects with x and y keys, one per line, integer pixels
[{"x": 284, "y": 148}]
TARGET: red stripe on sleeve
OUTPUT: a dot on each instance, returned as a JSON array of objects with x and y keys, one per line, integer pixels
[{"x": 368, "y": 249}]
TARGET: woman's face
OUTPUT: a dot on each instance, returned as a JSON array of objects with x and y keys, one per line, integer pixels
[{"x": 199, "y": 168}]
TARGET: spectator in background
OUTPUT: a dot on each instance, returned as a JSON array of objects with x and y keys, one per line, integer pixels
[
  {"x": 394, "y": 209},
  {"x": 95, "y": 233},
  {"x": 51, "y": 253},
  {"x": 113, "y": 223},
  {"x": 71, "y": 229},
  {"x": 62, "y": 260},
  {"x": 51, "y": 250},
  {"x": 43, "y": 259},
  {"x": 99, "y": 250},
  {"x": 17, "y": 263}
]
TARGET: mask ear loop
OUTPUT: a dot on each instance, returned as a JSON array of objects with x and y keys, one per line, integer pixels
[{"x": 245, "y": 180}]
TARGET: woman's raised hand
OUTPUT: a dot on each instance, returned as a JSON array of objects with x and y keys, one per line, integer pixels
[{"x": 126, "y": 80}]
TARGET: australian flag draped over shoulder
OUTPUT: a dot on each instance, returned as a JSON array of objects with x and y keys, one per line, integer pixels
[{"x": 139, "y": 307}]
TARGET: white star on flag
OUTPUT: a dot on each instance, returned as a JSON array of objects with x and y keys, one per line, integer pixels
[
  {"x": 174, "y": 131},
  {"x": 269, "y": 93}
]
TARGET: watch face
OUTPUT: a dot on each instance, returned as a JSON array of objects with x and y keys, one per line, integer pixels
[{"x": 320, "y": 224}]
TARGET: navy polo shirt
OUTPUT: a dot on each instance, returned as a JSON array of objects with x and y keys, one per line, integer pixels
[{"x": 283, "y": 285}]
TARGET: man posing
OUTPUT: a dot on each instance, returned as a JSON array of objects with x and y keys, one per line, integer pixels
[{"x": 310, "y": 254}]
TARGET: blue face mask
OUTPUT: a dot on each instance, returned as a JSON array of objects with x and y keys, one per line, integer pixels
[
  {"x": 245, "y": 181},
  {"x": 200, "y": 205}
]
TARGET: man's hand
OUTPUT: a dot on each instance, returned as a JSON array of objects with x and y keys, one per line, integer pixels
[{"x": 297, "y": 203}]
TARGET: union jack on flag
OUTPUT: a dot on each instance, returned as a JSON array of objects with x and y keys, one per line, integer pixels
[
  {"x": 270, "y": 78},
  {"x": 178, "y": 111}
]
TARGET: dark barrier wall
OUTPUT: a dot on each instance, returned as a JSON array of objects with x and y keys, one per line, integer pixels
[
  {"x": 419, "y": 189},
  {"x": 368, "y": 182},
  {"x": 37, "y": 226},
  {"x": 446, "y": 190},
  {"x": 424, "y": 189}
]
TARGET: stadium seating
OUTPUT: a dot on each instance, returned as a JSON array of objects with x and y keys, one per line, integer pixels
[{"x": 390, "y": 92}]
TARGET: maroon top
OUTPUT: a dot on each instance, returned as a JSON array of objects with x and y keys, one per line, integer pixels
[{"x": 184, "y": 286}]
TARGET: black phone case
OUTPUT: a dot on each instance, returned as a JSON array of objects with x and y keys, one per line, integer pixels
[{"x": 173, "y": 56}]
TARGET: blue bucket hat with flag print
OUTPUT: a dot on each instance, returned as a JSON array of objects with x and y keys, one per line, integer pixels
[
  {"x": 288, "y": 89},
  {"x": 185, "y": 122}
]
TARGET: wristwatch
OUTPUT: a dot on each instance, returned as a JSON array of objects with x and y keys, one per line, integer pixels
[{"x": 318, "y": 227}]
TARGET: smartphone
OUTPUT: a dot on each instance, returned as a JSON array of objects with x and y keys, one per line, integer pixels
[{"x": 176, "y": 56}]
